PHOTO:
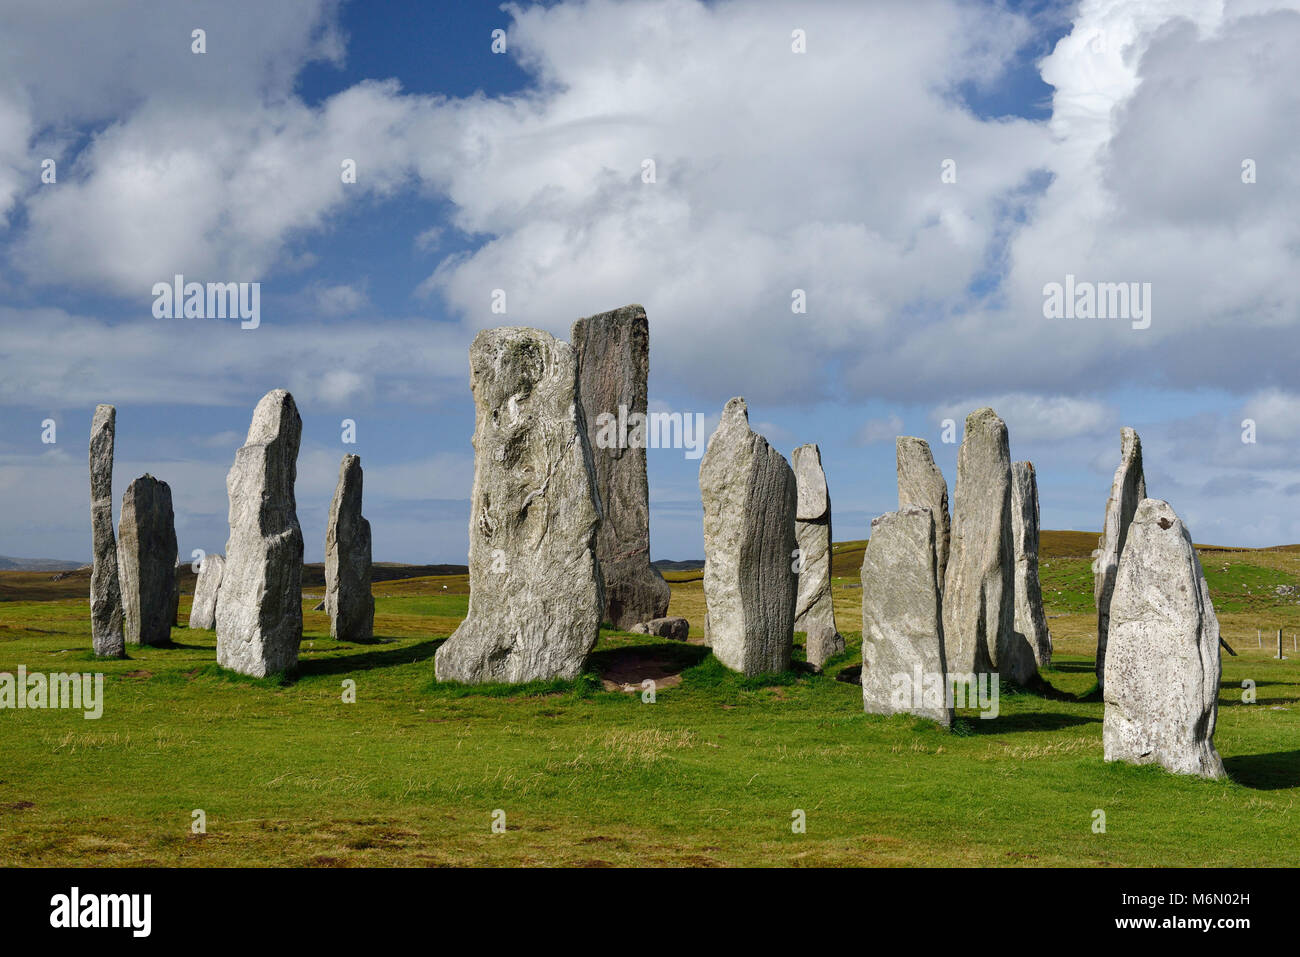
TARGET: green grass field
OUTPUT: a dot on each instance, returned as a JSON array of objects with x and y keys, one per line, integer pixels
[{"x": 587, "y": 774}]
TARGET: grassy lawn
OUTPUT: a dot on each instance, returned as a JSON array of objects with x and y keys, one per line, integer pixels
[{"x": 708, "y": 774}]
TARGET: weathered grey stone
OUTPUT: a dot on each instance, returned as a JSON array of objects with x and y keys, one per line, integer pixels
[
  {"x": 920, "y": 482},
  {"x": 613, "y": 354},
  {"x": 814, "y": 607},
  {"x": 536, "y": 594},
  {"x": 106, "y": 634},
  {"x": 1030, "y": 620},
  {"x": 678, "y": 629},
  {"x": 203, "y": 611},
  {"x": 174, "y": 610},
  {"x": 979, "y": 588},
  {"x": 259, "y": 607},
  {"x": 904, "y": 665},
  {"x": 146, "y": 558},
  {"x": 1127, "y": 489},
  {"x": 1162, "y": 663},
  {"x": 750, "y": 586},
  {"x": 348, "y": 599}
]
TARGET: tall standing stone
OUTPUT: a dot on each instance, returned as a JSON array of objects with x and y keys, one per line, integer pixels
[
  {"x": 146, "y": 550},
  {"x": 978, "y": 594},
  {"x": 536, "y": 594},
  {"x": 259, "y": 608},
  {"x": 613, "y": 353},
  {"x": 920, "y": 482},
  {"x": 814, "y": 607},
  {"x": 1030, "y": 621},
  {"x": 105, "y": 589},
  {"x": 904, "y": 666},
  {"x": 1162, "y": 666},
  {"x": 348, "y": 599},
  {"x": 750, "y": 587},
  {"x": 203, "y": 611},
  {"x": 1127, "y": 490}
]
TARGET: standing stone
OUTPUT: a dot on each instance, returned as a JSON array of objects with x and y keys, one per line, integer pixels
[
  {"x": 105, "y": 589},
  {"x": 536, "y": 594},
  {"x": 921, "y": 483},
  {"x": 175, "y": 607},
  {"x": 259, "y": 608},
  {"x": 1127, "y": 489},
  {"x": 1030, "y": 621},
  {"x": 348, "y": 600},
  {"x": 613, "y": 353},
  {"x": 203, "y": 611},
  {"x": 750, "y": 586},
  {"x": 904, "y": 666},
  {"x": 978, "y": 595},
  {"x": 146, "y": 555},
  {"x": 1162, "y": 666},
  {"x": 814, "y": 609}
]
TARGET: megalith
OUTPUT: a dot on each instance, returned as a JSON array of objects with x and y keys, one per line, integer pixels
[
  {"x": 536, "y": 594},
  {"x": 203, "y": 611},
  {"x": 749, "y": 494},
  {"x": 1162, "y": 663},
  {"x": 259, "y": 606},
  {"x": 904, "y": 666},
  {"x": 348, "y": 600},
  {"x": 1030, "y": 620},
  {"x": 106, "y": 635},
  {"x": 978, "y": 594},
  {"x": 1127, "y": 489},
  {"x": 920, "y": 482},
  {"x": 613, "y": 355},
  {"x": 146, "y": 554},
  {"x": 814, "y": 609}
]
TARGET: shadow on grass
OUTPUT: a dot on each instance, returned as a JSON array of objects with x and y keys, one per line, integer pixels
[
  {"x": 367, "y": 660},
  {"x": 1265, "y": 772},
  {"x": 1013, "y": 723},
  {"x": 1077, "y": 667},
  {"x": 638, "y": 662}
]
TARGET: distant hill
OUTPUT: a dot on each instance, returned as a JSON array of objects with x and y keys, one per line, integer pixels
[
  {"x": 8, "y": 564},
  {"x": 691, "y": 564}
]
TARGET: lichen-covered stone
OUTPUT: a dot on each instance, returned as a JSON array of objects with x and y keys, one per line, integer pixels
[
  {"x": 348, "y": 598},
  {"x": 1162, "y": 662},
  {"x": 1030, "y": 622},
  {"x": 536, "y": 593},
  {"x": 106, "y": 628},
  {"x": 904, "y": 666},
  {"x": 978, "y": 593},
  {"x": 1127, "y": 490},
  {"x": 259, "y": 606},
  {"x": 613, "y": 355},
  {"x": 920, "y": 482},
  {"x": 146, "y": 557},
  {"x": 814, "y": 607},
  {"x": 203, "y": 611},
  {"x": 750, "y": 586}
]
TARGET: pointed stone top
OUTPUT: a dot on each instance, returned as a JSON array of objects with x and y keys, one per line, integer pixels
[
  {"x": 103, "y": 413},
  {"x": 913, "y": 443},
  {"x": 736, "y": 407},
  {"x": 274, "y": 410},
  {"x": 813, "y": 498}
]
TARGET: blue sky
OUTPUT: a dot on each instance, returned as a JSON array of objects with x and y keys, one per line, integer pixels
[{"x": 1081, "y": 138}]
